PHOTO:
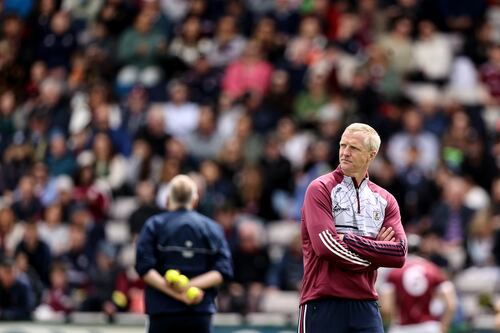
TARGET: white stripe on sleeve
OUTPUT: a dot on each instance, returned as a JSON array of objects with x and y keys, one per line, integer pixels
[
  {"x": 343, "y": 253},
  {"x": 304, "y": 320},
  {"x": 347, "y": 252}
]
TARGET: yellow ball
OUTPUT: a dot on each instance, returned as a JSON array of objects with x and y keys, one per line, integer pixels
[
  {"x": 119, "y": 298},
  {"x": 182, "y": 281},
  {"x": 172, "y": 276},
  {"x": 193, "y": 292}
]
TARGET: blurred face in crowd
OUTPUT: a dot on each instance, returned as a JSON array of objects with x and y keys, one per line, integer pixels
[
  {"x": 412, "y": 121},
  {"x": 192, "y": 28},
  {"x": 40, "y": 174},
  {"x": 53, "y": 214},
  {"x": 143, "y": 23},
  {"x": 7, "y": 103},
  {"x": 58, "y": 278},
  {"x": 210, "y": 171},
  {"x": 178, "y": 93},
  {"x": 145, "y": 191},
  {"x": 7, "y": 220},
  {"x": 31, "y": 235},
  {"x": 265, "y": 29},
  {"x": 47, "y": 6},
  {"x": 454, "y": 192},
  {"x": 198, "y": 7},
  {"x": 98, "y": 95},
  {"x": 58, "y": 146},
  {"x": 282, "y": 4},
  {"x": 50, "y": 91},
  {"x": 38, "y": 71},
  {"x": 77, "y": 237},
  {"x": 155, "y": 122},
  {"x": 206, "y": 123},
  {"x": 309, "y": 27},
  {"x": 403, "y": 27},
  {"x": 26, "y": 187},
  {"x": 137, "y": 100},
  {"x": 7, "y": 276},
  {"x": 12, "y": 28},
  {"x": 101, "y": 116},
  {"x": 426, "y": 29},
  {"x": 175, "y": 149},
  {"x": 495, "y": 54},
  {"x": 252, "y": 51},
  {"x": 495, "y": 191},
  {"x": 60, "y": 23},
  {"x": 279, "y": 81},
  {"x": 286, "y": 128},
  {"x": 247, "y": 235},
  {"x": 171, "y": 168},
  {"x": 226, "y": 28},
  {"x": 102, "y": 146}
]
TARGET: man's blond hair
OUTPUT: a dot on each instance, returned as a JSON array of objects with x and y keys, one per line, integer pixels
[
  {"x": 182, "y": 193},
  {"x": 372, "y": 139}
]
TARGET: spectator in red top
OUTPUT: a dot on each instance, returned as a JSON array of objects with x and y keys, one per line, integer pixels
[
  {"x": 58, "y": 298},
  {"x": 490, "y": 74},
  {"x": 250, "y": 73}
]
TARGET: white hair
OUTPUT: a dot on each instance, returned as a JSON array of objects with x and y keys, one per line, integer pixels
[{"x": 372, "y": 139}]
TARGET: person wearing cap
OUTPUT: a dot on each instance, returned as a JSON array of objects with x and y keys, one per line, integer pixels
[
  {"x": 16, "y": 296},
  {"x": 184, "y": 240}
]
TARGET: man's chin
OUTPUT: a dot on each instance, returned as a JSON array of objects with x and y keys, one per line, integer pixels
[{"x": 345, "y": 168}]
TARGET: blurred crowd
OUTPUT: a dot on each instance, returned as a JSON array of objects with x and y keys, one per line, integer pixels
[{"x": 102, "y": 100}]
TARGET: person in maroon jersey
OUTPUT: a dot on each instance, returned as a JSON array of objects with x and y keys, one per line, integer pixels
[
  {"x": 350, "y": 227},
  {"x": 408, "y": 293}
]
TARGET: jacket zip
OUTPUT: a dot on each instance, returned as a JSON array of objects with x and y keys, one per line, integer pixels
[
  {"x": 357, "y": 197},
  {"x": 356, "y": 186}
]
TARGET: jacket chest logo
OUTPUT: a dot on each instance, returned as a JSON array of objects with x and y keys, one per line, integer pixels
[
  {"x": 377, "y": 215},
  {"x": 337, "y": 208}
]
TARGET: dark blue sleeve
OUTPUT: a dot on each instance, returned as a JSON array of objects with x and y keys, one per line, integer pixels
[
  {"x": 223, "y": 262},
  {"x": 24, "y": 299},
  {"x": 145, "y": 258}
]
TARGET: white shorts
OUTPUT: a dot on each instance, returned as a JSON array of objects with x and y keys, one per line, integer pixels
[{"x": 427, "y": 327}]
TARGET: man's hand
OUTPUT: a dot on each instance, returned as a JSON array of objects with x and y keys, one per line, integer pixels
[
  {"x": 386, "y": 234},
  {"x": 182, "y": 296}
]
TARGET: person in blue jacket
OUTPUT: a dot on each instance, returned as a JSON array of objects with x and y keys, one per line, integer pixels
[
  {"x": 17, "y": 299},
  {"x": 183, "y": 240}
]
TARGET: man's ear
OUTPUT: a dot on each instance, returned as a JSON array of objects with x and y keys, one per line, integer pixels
[{"x": 196, "y": 200}]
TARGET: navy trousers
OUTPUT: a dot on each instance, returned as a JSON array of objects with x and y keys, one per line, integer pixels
[
  {"x": 180, "y": 323},
  {"x": 337, "y": 315}
]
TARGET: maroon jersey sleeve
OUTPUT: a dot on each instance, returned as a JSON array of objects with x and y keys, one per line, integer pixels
[
  {"x": 383, "y": 253},
  {"x": 317, "y": 215}
]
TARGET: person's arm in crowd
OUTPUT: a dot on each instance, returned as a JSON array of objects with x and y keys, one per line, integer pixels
[
  {"x": 383, "y": 253},
  {"x": 447, "y": 292},
  {"x": 326, "y": 243}
]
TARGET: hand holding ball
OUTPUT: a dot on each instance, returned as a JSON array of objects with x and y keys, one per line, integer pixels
[
  {"x": 182, "y": 281},
  {"x": 193, "y": 293},
  {"x": 175, "y": 278},
  {"x": 172, "y": 276}
]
